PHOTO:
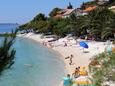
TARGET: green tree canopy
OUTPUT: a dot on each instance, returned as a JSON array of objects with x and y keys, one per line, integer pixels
[
  {"x": 54, "y": 12},
  {"x": 39, "y": 17}
]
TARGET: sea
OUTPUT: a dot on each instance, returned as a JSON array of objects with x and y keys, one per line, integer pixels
[{"x": 35, "y": 65}]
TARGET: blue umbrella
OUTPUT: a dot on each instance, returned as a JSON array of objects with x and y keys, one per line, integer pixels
[{"x": 83, "y": 44}]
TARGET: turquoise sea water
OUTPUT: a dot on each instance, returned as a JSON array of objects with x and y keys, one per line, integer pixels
[{"x": 34, "y": 65}]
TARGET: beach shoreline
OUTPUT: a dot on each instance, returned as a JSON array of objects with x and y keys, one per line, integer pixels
[{"x": 79, "y": 57}]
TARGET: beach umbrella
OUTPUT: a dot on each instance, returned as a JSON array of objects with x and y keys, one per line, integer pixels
[{"x": 83, "y": 44}]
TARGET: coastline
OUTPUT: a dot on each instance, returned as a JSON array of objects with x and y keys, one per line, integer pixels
[
  {"x": 40, "y": 43},
  {"x": 79, "y": 57}
]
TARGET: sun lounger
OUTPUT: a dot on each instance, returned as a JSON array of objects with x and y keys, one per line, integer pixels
[
  {"x": 83, "y": 82},
  {"x": 82, "y": 85},
  {"x": 83, "y": 73}
]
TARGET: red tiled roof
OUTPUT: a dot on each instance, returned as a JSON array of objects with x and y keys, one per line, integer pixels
[
  {"x": 64, "y": 12},
  {"x": 68, "y": 11},
  {"x": 89, "y": 9}
]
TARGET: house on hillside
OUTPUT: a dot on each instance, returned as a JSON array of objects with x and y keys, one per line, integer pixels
[
  {"x": 101, "y": 2},
  {"x": 89, "y": 6},
  {"x": 65, "y": 13},
  {"x": 68, "y": 12},
  {"x": 80, "y": 12},
  {"x": 89, "y": 9}
]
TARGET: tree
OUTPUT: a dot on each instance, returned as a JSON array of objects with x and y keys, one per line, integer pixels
[
  {"x": 70, "y": 6},
  {"x": 112, "y": 2},
  {"x": 54, "y": 12},
  {"x": 7, "y": 53},
  {"x": 39, "y": 17},
  {"x": 83, "y": 6},
  {"x": 99, "y": 23},
  {"x": 41, "y": 26}
]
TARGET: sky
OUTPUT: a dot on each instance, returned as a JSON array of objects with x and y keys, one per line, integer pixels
[{"x": 22, "y": 11}]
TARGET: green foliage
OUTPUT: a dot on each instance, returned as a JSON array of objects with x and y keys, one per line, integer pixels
[
  {"x": 99, "y": 22},
  {"x": 112, "y": 2},
  {"x": 106, "y": 71},
  {"x": 90, "y": 3},
  {"x": 7, "y": 53},
  {"x": 41, "y": 26},
  {"x": 54, "y": 12},
  {"x": 39, "y": 17},
  {"x": 24, "y": 26}
]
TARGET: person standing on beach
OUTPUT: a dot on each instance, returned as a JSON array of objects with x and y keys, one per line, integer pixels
[
  {"x": 71, "y": 57},
  {"x": 65, "y": 44}
]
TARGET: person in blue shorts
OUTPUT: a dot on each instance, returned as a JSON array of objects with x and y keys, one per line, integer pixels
[{"x": 67, "y": 81}]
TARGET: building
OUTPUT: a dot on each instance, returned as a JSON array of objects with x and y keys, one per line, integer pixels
[
  {"x": 65, "y": 13},
  {"x": 101, "y": 2},
  {"x": 68, "y": 12},
  {"x": 89, "y": 9}
]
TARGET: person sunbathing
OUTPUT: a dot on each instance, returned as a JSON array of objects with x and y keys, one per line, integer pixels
[
  {"x": 83, "y": 71},
  {"x": 28, "y": 65},
  {"x": 76, "y": 73}
]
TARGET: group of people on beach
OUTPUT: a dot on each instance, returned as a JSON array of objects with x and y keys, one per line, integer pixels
[
  {"x": 48, "y": 44},
  {"x": 69, "y": 79},
  {"x": 79, "y": 71}
]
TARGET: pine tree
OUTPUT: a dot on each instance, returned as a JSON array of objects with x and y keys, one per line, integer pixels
[{"x": 70, "y": 6}]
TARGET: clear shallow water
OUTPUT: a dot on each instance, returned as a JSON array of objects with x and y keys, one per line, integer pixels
[
  {"x": 46, "y": 67},
  {"x": 46, "y": 70}
]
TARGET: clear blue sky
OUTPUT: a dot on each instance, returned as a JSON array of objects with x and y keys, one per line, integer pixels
[{"x": 22, "y": 11}]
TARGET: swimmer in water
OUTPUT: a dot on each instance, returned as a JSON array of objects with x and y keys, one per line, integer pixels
[{"x": 29, "y": 65}]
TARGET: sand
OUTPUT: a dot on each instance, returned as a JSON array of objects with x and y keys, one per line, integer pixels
[{"x": 80, "y": 57}]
